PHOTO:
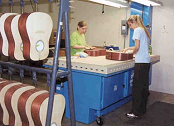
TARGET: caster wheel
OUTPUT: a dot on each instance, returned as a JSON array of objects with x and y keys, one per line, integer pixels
[{"x": 99, "y": 121}]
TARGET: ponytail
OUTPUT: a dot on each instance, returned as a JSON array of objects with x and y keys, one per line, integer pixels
[{"x": 139, "y": 21}]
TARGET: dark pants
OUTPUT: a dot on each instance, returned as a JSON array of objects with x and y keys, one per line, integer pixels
[{"x": 140, "y": 88}]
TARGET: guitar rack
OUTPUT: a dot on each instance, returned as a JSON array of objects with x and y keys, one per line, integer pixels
[{"x": 55, "y": 72}]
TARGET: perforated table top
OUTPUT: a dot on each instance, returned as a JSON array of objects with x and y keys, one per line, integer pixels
[{"x": 99, "y": 64}]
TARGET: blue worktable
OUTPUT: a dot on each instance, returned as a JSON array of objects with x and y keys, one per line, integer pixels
[{"x": 99, "y": 86}]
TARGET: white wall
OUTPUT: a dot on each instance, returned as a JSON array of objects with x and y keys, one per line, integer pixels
[
  {"x": 101, "y": 27},
  {"x": 163, "y": 45}
]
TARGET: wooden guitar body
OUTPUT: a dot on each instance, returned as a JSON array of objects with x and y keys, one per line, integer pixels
[
  {"x": 10, "y": 96},
  {"x": 2, "y": 85},
  {"x": 2, "y": 29},
  {"x": 58, "y": 110},
  {"x": 1, "y": 110},
  {"x": 92, "y": 52},
  {"x": 35, "y": 30},
  {"x": 29, "y": 121},
  {"x": 35, "y": 108},
  {"x": 14, "y": 101},
  {"x": 8, "y": 32},
  {"x": 17, "y": 52},
  {"x": 22, "y": 105},
  {"x": 118, "y": 56},
  {"x": 109, "y": 55},
  {"x": 2, "y": 80},
  {"x": 1, "y": 40},
  {"x": 2, "y": 95},
  {"x": 39, "y": 109},
  {"x": 95, "y": 52}
]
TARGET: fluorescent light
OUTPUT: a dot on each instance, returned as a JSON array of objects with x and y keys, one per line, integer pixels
[
  {"x": 148, "y": 2},
  {"x": 155, "y": 3},
  {"x": 112, "y": 3}
]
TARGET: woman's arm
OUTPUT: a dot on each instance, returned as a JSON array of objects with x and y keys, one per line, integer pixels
[
  {"x": 135, "y": 48},
  {"x": 82, "y": 47},
  {"x": 129, "y": 48},
  {"x": 78, "y": 47}
]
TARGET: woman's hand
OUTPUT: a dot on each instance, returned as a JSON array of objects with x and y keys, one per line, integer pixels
[
  {"x": 93, "y": 47},
  {"x": 89, "y": 47},
  {"x": 124, "y": 50}
]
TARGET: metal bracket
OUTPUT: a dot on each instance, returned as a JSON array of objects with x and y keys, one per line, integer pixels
[
  {"x": 0, "y": 2},
  {"x": 10, "y": 72},
  {"x": 11, "y": 2},
  {"x": 22, "y": 3},
  {"x": 21, "y": 75},
  {"x": 34, "y": 79},
  {"x": 35, "y": 1},
  {"x": 48, "y": 79},
  {"x": 63, "y": 13},
  {"x": 65, "y": 5}
]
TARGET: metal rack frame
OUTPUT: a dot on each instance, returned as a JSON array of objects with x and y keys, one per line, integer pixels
[
  {"x": 63, "y": 14},
  {"x": 55, "y": 72}
]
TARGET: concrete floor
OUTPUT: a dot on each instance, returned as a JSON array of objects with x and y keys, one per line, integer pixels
[
  {"x": 114, "y": 118},
  {"x": 118, "y": 118}
]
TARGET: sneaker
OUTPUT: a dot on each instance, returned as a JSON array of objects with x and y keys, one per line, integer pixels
[{"x": 131, "y": 115}]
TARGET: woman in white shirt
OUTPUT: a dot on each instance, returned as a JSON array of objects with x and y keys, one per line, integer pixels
[{"x": 140, "y": 88}]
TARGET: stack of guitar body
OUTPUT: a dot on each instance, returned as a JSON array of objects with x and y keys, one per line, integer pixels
[
  {"x": 96, "y": 52},
  {"x": 120, "y": 56},
  {"x": 25, "y": 105},
  {"x": 25, "y": 36},
  {"x": 110, "y": 55}
]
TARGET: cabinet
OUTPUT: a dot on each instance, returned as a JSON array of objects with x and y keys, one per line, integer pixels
[{"x": 97, "y": 94}]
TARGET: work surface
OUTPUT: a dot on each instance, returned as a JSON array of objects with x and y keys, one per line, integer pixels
[{"x": 99, "y": 64}]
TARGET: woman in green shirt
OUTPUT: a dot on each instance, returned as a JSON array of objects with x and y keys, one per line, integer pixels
[{"x": 77, "y": 38}]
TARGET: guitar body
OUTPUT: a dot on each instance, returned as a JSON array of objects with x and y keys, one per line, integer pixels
[
  {"x": 35, "y": 108},
  {"x": 109, "y": 55},
  {"x": 8, "y": 102},
  {"x": 2, "y": 85},
  {"x": 18, "y": 50},
  {"x": 120, "y": 56},
  {"x": 2, "y": 29},
  {"x": 35, "y": 30},
  {"x": 15, "y": 50},
  {"x": 29, "y": 121},
  {"x": 92, "y": 52},
  {"x": 8, "y": 32},
  {"x": 24, "y": 35},
  {"x": 2, "y": 95},
  {"x": 22, "y": 105},
  {"x": 1, "y": 110},
  {"x": 14, "y": 101},
  {"x": 1, "y": 40},
  {"x": 58, "y": 110},
  {"x": 39, "y": 109},
  {"x": 95, "y": 52},
  {"x": 2, "y": 80}
]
